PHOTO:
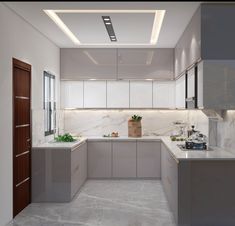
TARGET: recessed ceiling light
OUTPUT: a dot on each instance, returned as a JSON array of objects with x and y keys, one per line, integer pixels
[
  {"x": 109, "y": 28},
  {"x": 157, "y": 24},
  {"x": 106, "y": 19},
  {"x": 62, "y": 26}
]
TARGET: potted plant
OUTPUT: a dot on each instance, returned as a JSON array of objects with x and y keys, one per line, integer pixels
[{"x": 134, "y": 126}]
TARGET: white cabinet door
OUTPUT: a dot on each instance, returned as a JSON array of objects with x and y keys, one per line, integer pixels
[
  {"x": 72, "y": 94},
  {"x": 180, "y": 92},
  {"x": 191, "y": 83},
  {"x": 200, "y": 85},
  {"x": 118, "y": 94},
  {"x": 141, "y": 94},
  {"x": 124, "y": 159},
  {"x": 149, "y": 159},
  {"x": 164, "y": 94},
  {"x": 94, "y": 94},
  {"x": 99, "y": 159}
]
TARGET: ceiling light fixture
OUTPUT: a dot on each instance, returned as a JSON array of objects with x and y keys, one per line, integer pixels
[
  {"x": 109, "y": 28},
  {"x": 157, "y": 24},
  {"x": 62, "y": 26}
]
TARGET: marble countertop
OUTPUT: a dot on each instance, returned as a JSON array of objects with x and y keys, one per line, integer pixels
[
  {"x": 215, "y": 154},
  {"x": 61, "y": 145},
  {"x": 150, "y": 138}
]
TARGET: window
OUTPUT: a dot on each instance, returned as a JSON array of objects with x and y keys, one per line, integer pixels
[{"x": 49, "y": 103}]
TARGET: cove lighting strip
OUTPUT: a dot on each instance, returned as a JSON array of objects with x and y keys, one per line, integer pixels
[{"x": 157, "y": 23}]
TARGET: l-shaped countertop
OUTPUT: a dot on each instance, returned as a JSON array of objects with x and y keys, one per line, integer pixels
[{"x": 216, "y": 153}]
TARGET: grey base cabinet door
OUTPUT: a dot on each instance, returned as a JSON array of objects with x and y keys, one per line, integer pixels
[
  {"x": 99, "y": 159},
  {"x": 169, "y": 175},
  {"x": 148, "y": 159},
  {"x": 124, "y": 159}
]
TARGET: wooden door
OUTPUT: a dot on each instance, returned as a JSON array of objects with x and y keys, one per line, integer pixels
[{"x": 21, "y": 135}]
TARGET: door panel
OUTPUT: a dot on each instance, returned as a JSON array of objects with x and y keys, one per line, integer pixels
[
  {"x": 22, "y": 111},
  {"x": 21, "y": 136}
]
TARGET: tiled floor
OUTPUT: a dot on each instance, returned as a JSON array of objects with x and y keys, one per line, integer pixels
[{"x": 104, "y": 203}]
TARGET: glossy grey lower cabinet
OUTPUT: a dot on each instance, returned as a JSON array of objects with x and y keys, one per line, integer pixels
[
  {"x": 148, "y": 159},
  {"x": 58, "y": 174},
  {"x": 99, "y": 159},
  {"x": 169, "y": 176},
  {"x": 124, "y": 159}
]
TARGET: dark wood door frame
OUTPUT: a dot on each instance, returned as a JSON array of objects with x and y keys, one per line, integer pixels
[{"x": 19, "y": 65}]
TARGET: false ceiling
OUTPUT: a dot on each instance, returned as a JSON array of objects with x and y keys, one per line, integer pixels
[{"x": 136, "y": 24}]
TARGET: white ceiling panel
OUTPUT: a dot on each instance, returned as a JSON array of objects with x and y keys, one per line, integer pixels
[{"x": 89, "y": 28}]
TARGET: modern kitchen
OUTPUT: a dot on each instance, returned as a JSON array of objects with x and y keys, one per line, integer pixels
[{"x": 117, "y": 113}]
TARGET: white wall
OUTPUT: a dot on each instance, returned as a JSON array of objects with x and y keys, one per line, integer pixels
[{"x": 19, "y": 40}]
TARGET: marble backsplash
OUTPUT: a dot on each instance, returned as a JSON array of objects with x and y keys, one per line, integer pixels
[
  {"x": 226, "y": 131},
  {"x": 154, "y": 122}
]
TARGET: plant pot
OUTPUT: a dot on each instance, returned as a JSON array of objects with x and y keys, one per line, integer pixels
[{"x": 134, "y": 128}]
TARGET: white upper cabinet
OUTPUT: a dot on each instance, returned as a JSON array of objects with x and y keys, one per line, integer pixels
[
  {"x": 88, "y": 63},
  {"x": 71, "y": 94},
  {"x": 191, "y": 83},
  {"x": 118, "y": 94},
  {"x": 180, "y": 92},
  {"x": 164, "y": 94},
  {"x": 94, "y": 94},
  {"x": 200, "y": 84},
  {"x": 141, "y": 94},
  {"x": 143, "y": 63}
]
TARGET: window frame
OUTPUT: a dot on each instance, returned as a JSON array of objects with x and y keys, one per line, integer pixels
[{"x": 52, "y": 103}]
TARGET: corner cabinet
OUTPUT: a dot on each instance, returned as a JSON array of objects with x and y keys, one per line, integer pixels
[{"x": 88, "y": 63}]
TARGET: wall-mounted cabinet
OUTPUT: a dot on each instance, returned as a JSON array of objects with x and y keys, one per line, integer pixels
[
  {"x": 94, "y": 94},
  {"x": 100, "y": 63},
  {"x": 206, "y": 37},
  {"x": 216, "y": 84},
  {"x": 139, "y": 63},
  {"x": 164, "y": 94},
  {"x": 188, "y": 48},
  {"x": 141, "y": 95},
  {"x": 72, "y": 94},
  {"x": 180, "y": 92},
  {"x": 118, "y": 95},
  {"x": 81, "y": 63}
]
